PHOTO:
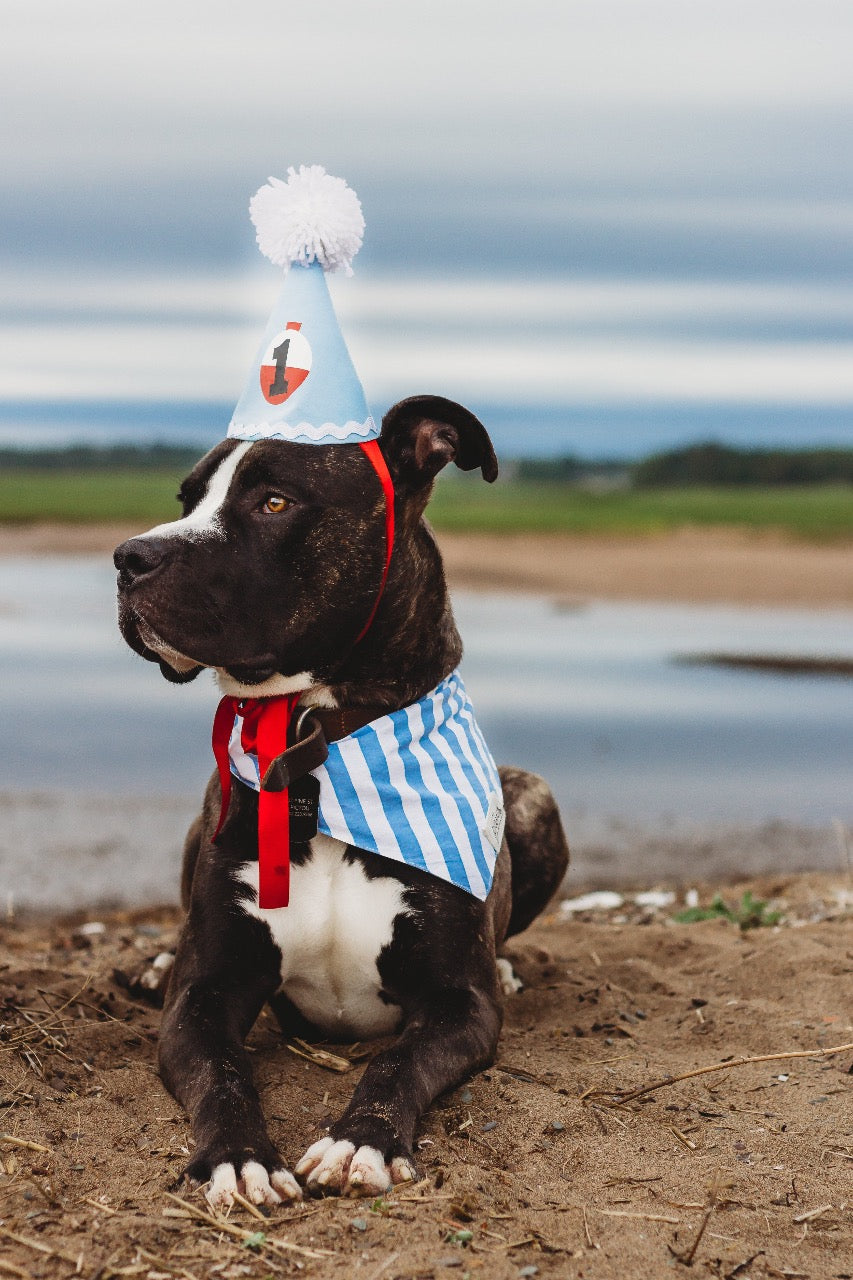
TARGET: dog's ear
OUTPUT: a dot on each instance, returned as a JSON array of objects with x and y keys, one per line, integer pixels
[{"x": 422, "y": 434}]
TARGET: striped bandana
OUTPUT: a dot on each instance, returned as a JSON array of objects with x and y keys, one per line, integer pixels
[{"x": 418, "y": 785}]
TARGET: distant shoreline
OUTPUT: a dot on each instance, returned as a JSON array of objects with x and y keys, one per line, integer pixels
[{"x": 691, "y": 565}]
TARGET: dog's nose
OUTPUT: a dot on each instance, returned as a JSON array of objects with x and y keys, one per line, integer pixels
[{"x": 139, "y": 556}]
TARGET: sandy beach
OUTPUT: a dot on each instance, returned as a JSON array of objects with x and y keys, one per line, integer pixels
[
  {"x": 692, "y": 565},
  {"x": 543, "y": 1165}
]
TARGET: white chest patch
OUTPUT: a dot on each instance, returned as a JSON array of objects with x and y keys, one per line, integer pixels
[{"x": 330, "y": 938}]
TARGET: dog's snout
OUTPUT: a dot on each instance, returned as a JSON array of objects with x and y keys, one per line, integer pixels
[{"x": 139, "y": 556}]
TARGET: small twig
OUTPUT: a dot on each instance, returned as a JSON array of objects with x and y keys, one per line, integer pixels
[
  {"x": 813, "y": 1213},
  {"x": 104, "y": 1208},
  {"x": 222, "y": 1224},
  {"x": 10, "y": 1140},
  {"x": 37, "y": 1245},
  {"x": 515, "y": 1244},
  {"x": 619, "y": 1099},
  {"x": 423, "y": 1199},
  {"x": 606, "y": 1062},
  {"x": 322, "y": 1057},
  {"x": 43, "y": 1027},
  {"x": 519, "y": 1073},
  {"x": 14, "y": 1270},
  {"x": 646, "y": 1217},
  {"x": 250, "y": 1208},
  {"x": 71, "y": 999},
  {"x": 383, "y": 1266},
  {"x": 22, "y": 1034},
  {"x": 586, "y": 1230},
  {"x": 628, "y": 1177},
  {"x": 687, "y": 1258},
  {"x": 682, "y": 1137}
]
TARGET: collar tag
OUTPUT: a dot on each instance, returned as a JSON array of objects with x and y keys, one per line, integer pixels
[{"x": 493, "y": 827}]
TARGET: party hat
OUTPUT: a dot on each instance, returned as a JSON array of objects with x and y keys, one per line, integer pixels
[{"x": 303, "y": 386}]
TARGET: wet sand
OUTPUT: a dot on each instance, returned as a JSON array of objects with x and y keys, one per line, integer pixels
[
  {"x": 696, "y": 566},
  {"x": 691, "y": 565}
]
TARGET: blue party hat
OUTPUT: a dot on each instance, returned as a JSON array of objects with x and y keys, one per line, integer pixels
[{"x": 303, "y": 386}]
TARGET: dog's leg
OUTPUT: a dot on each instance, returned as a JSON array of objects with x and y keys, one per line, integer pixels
[
  {"x": 203, "y": 1062},
  {"x": 192, "y": 849},
  {"x": 370, "y": 1147},
  {"x": 441, "y": 969},
  {"x": 537, "y": 845}
]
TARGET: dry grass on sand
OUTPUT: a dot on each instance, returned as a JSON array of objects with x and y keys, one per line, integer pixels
[{"x": 539, "y": 1166}]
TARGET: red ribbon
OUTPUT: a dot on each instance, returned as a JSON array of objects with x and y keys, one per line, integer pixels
[
  {"x": 265, "y": 725},
  {"x": 374, "y": 453}
]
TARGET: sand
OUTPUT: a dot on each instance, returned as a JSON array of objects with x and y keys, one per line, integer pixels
[
  {"x": 523, "y": 1166},
  {"x": 696, "y": 566},
  {"x": 692, "y": 565}
]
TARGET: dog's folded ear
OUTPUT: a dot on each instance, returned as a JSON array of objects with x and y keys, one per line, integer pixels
[{"x": 422, "y": 434}]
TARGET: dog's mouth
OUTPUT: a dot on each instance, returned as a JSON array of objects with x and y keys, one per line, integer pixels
[
  {"x": 176, "y": 666},
  {"x": 179, "y": 662},
  {"x": 179, "y": 667}
]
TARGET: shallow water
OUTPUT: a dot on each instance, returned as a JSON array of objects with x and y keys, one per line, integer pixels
[
  {"x": 591, "y": 697},
  {"x": 637, "y": 747}
]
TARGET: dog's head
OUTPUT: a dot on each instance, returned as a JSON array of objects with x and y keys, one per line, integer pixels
[{"x": 273, "y": 569}]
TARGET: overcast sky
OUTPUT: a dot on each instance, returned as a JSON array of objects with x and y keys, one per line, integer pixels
[
  {"x": 664, "y": 187},
  {"x": 476, "y": 131}
]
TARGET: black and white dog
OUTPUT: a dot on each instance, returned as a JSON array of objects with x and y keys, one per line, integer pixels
[{"x": 268, "y": 578}]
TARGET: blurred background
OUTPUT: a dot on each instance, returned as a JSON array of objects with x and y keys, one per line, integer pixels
[
  {"x": 612, "y": 229},
  {"x": 607, "y": 226}
]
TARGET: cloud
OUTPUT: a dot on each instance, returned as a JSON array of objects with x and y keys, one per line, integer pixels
[
  {"x": 159, "y": 86},
  {"x": 562, "y": 342}
]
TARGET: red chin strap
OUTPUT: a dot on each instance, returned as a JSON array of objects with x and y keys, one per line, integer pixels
[
  {"x": 377, "y": 461},
  {"x": 265, "y": 725}
]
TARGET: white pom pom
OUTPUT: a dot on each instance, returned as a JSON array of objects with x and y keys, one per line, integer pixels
[{"x": 312, "y": 217}]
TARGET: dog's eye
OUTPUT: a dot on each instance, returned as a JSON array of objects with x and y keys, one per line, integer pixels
[{"x": 274, "y": 504}]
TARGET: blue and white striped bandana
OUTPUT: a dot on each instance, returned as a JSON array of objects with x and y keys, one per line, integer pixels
[{"x": 418, "y": 785}]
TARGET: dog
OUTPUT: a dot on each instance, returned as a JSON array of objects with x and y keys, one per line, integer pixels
[{"x": 268, "y": 578}]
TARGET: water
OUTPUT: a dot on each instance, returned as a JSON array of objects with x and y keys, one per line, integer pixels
[{"x": 643, "y": 753}]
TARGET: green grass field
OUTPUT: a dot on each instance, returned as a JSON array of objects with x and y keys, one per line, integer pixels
[
  {"x": 80, "y": 497},
  {"x": 462, "y": 503},
  {"x": 819, "y": 512}
]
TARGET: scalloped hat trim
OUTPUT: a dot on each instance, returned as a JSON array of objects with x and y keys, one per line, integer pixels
[{"x": 304, "y": 432}]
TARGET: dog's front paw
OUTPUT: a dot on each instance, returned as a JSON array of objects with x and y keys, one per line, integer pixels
[
  {"x": 257, "y": 1184},
  {"x": 339, "y": 1168},
  {"x": 268, "y": 1183}
]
